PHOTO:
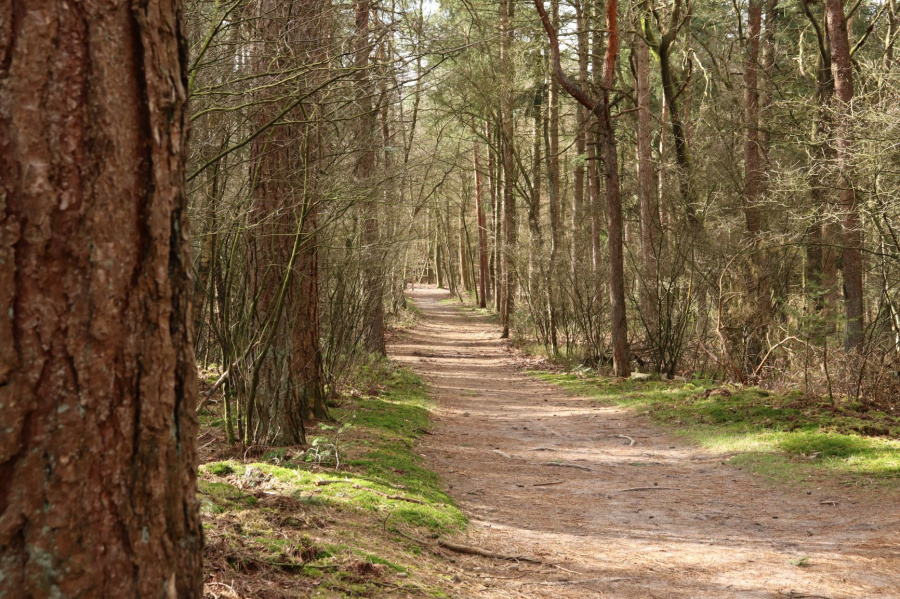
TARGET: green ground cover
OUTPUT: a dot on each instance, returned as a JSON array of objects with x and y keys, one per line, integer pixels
[{"x": 780, "y": 435}]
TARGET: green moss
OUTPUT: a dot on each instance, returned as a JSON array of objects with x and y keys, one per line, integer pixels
[
  {"x": 779, "y": 435},
  {"x": 218, "y": 497},
  {"x": 382, "y": 481},
  {"x": 219, "y": 468}
]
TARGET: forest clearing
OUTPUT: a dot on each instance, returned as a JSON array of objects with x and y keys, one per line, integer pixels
[{"x": 463, "y": 298}]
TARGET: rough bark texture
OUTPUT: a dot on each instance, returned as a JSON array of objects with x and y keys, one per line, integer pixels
[
  {"x": 97, "y": 375},
  {"x": 287, "y": 382},
  {"x": 842, "y": 69}
]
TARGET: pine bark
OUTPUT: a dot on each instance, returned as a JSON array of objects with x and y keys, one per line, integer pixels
[
  {"x": 98, "y": 382},
  {"x": 482, "y": 230},
  {"x": 509, "y": 220},
  {"x": 851, "y": 253}
]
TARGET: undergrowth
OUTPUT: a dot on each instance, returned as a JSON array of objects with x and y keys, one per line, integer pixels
[
  {"x": 783, "y": 436},
  {"x": 350, "y": 514}
]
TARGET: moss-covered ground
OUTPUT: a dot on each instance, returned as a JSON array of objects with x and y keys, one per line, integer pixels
[
  {"x": 351, "y": 514},
  {"x": 781, "y": 435}
]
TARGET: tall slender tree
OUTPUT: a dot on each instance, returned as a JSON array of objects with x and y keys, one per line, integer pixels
[{"x": 601, "y": 108}]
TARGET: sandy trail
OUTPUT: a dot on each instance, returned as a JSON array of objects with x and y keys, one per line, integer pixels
[{"x": 542, "y": 473}]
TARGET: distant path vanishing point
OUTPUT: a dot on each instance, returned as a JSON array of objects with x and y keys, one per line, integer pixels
[{"x": 544, "y": 474}]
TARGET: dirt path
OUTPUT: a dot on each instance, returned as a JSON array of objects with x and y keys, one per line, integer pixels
[{"x": 542, "y": 473}]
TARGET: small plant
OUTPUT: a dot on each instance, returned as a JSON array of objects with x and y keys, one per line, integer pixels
[{"x": 326, "y": 452}]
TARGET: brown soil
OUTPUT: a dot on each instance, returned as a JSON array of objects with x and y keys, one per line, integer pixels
[{"x": 543, "y": 474}]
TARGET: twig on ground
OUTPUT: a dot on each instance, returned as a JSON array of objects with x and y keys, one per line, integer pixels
[
  {"x": 503, "y": 453},
  {"x": 556, "y": 482},
  {"x": 561, "y": 465},
  {"x": 557, "y": 583},
  {"x": 631, "y": 439},
  {"x": 648, "y": 489},
  {"x": 469, "y": 550},
  {"x": 567, "y": 570}
]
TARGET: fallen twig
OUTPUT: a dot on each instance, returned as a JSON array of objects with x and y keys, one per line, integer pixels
[
  {"x": 503, "y": 453},
  {"x": 648, "y": 489},
  {"x": 795, "y": 595},
  {"x": 631, "y": 439},
  {"x": 561, "y": 465},
  {"x": 469, "y": 550},
  {"x": 556, "y": 482},
  {"x": 556, "y": 583}
]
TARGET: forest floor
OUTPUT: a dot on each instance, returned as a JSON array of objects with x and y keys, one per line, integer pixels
[{"x": 614, "y": 505}]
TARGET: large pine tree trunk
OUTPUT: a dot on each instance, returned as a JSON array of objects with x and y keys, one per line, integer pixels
[
  {"x": 97, "y": 376},
  {"x": 286, "y": 384},
  {"x": 618, "y": 318}
]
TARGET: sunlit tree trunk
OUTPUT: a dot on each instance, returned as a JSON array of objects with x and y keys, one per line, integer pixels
[
  {"x": 98, "y": 382},
  {"x": 601, "y": 107},
  {"x": 510, "y": 233},
  {"x": 851, "y": 254},
  {"x": 553, "y": 181},
  {"x": 482, "y": 230}
]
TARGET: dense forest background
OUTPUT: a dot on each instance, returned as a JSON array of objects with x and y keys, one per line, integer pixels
[
  {"x": 672, "y": 187},
  {"x": 649, "y": 189}
]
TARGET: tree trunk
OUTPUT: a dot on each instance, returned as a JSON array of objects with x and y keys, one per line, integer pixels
[
  {"x": 98, "y": 381},
  {"x": 553, "y": 180},
  {"x": 482, "y": 231},
  {"x": 758, "y": 292},
  {"x": 583, "y": 122},
  {"x": 647, "y": 199},
  {"x": 286, "y": 382},
  {"x": 851, "y": 254},
  {"x": 509, "y": 176},
  {"x": 364, "y": 174},
  {"x": 601, "y": 107},
  {"x": 619, "y": 323}
]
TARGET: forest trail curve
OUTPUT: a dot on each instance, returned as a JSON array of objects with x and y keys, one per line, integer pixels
[{"x": 546, "y": 474}]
